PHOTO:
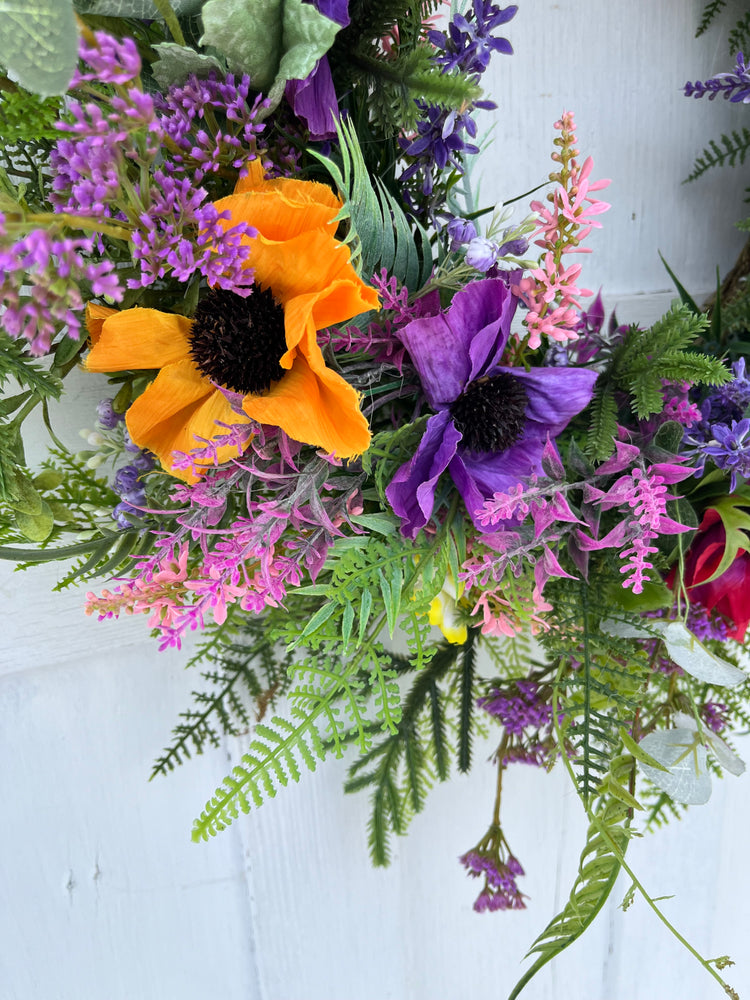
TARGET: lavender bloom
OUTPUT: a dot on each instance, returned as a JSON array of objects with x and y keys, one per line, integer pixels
[
  {"x": 468, "y": 44},
  {"x": 730, "y": 449},
  {"x": 734, "y": 87},
  {"x": 439, "y": 141},
  {"x": 54, "y": 270},
  {"x": 491, "y": 422}
]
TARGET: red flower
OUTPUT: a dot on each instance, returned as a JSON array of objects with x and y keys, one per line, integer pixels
[{"x": 728, "y": 594}]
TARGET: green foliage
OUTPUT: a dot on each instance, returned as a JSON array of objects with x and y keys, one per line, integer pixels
[
  {"x": 25, "y": 117},
  {"x": 600, "y": 697},
  {"x": 601, "y": 859},
  {"x": 640, "y": 362},
  {"x": 710, "y": 11},
  {"x": 379, "y": 233},
  {"x": 739, "y": 36},
  {"x": 39, "y": 43},
  {"x": 243, "y": 665},
  {"x": 17, "y": 363},
  {"x": 400, "y": 769},
  {"x": 735, "y": 147}
]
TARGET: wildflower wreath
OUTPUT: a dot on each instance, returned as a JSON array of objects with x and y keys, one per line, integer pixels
[{"x": 358, "y": 429}]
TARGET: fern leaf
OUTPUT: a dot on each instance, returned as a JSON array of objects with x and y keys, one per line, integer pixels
[
  {"x": 603, "y": 422},
  {"x": 739, "y": 36},
  {"x": 735, "y": 148},
  {"x": 710, "y": 11},
  {"x": 598, "y": 869}
]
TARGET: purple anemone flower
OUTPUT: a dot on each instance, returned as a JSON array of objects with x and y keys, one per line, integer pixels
[
  {"x": 314, "y": 99},
  {"x": 491, "y": 422}
]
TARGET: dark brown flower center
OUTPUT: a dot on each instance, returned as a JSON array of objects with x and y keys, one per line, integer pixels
[
  {"x": 491, "y": 413},
  {"x": 237, "y": 342}
]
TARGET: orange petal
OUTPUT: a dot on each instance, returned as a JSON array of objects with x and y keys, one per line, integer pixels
[
  {"x": 292, "y": 190},
  {"x": 139, "y": 338},
  {"x": 317, "y": 408},
  {"x": 179, "y": 405},
  {"x": 95, "y": 316},
  {"x": 275, "y": 216}
]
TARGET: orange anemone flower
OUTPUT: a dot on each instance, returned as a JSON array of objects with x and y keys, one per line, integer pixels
[{"x": 262, "y": 348}]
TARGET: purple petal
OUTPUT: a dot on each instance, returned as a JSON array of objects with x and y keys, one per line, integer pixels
[
  {"x": 411, "y": 492},
  {"x": 314, "y": 101},
  {"x": 337, "y": 10},
  {"x": 454, "y": 348},
  {"x": 479, "y": 477},
  {"x": 556, "y": 395}
]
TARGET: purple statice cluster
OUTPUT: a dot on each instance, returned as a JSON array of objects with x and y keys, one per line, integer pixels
[
  {"x": 525, "y": 712},
  {"x": 518, "y": 708},
  {"x": 40, "y": 285},
  {"x": 443, "y": 136},
  {"x": 493, "y": 861},
  {"x": 188, "y": 116},
  {"x": 722, "y": 432},
  {"x": 707, "y": 625},
  {"x": 172, "y": 226},
  {"x": 180, "y": 233},
  {"x": 734, "y": 86}
]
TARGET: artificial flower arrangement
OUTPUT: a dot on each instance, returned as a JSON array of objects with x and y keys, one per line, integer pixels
[{"x": 360, "y": 429}]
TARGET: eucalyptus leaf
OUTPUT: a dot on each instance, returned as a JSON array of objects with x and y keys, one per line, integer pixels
[
  {"x": 177, "y": 62},
  {"x": 686, "y": 779},
  {"x": 272, "y": 40},
  {"x": 39, "y": 44},
  {"x": 696, "y": 660}
]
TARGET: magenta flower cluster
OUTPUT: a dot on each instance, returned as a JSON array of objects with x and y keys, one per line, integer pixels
[{"x": 493, "y": 861}]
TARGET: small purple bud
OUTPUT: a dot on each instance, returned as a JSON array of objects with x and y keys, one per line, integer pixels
[
  {"x": 106, "y": 415},
  {"x": 481, "y": 253},
  {"x": 461, "y": 231}
]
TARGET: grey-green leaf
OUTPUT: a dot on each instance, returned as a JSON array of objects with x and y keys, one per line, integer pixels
[
  {"x": 177, "y": 62},
  {"x": 135, "y": 8},
  {"x": 39, "y": 44}
]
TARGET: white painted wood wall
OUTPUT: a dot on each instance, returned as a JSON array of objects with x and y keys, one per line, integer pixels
[{"x": 102, "y": 894}]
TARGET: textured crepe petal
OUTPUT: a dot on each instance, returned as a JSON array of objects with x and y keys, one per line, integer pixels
[
  {"x": 304, "y": 315},
  {"x": 455, "y": 347},
  {"x": 555, "y": 395},
  {"x": 280, "y": 209},
  {"x": 411, "y": 492},
  {"x": 139, "y": 338},
  {"x": 178, "y": 406},
  {"x": 95, "y": 316},
  {"x": 316, "y": 407}
]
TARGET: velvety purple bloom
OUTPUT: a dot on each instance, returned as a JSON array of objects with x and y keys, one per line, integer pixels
[
  {"x": 313, "y": 99},
  {"x": 734, "y": 87},
  {"x": 491, "y": 422}
]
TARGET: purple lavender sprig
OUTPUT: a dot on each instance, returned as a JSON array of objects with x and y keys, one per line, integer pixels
[{"x": 734, "y": 86}]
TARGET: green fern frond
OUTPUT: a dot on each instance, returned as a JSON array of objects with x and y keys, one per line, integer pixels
[
  {"x": 606, "y": 841},
  {"x": 602, "y": 423},
  {"x": 739, "y": 36},
  {"x": 735, "y": 149},
  {"x": 400, "y": 768},
  {"x": 710, "y": 11},
  {"x": 380, "y": 234},
  {"x": 17, "y": 363}
]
